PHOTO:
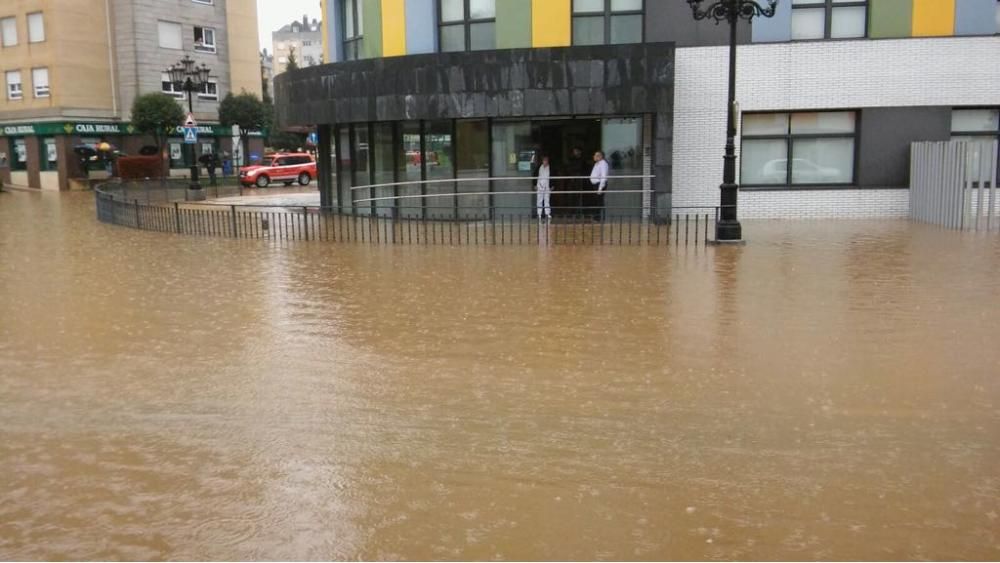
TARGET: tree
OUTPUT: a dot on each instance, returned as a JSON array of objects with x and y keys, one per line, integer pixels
[
  {"x": 155, "y": 114},
  {"x": 245, "y": 111},
  {"x": 293, "y": 64}
]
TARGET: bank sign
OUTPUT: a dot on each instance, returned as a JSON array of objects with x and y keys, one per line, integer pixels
[
  {"x": 103, "y": 129},
  {"x": 62, "y": 128}
]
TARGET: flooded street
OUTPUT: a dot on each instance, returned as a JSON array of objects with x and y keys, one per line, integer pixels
[{"x": 829, "y": 391}]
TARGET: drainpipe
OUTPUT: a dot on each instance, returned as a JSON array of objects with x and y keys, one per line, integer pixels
[{"x": 111, "y": 60}]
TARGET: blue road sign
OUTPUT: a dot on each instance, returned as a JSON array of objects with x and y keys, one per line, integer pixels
[{"x": 190, "y": 135}]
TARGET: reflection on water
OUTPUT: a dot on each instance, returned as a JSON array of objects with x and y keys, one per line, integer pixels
[{"x": 828, "y": 391}]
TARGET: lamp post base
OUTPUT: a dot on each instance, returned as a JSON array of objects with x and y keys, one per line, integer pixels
[{"x": 728, "y": 232}]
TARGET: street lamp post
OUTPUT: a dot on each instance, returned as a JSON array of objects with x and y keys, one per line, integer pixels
[
  {"x": 728, "y": 229},
  {"x": 190, "y": 78}
]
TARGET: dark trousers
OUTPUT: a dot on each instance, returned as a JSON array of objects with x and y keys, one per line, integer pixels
[{"x": 597, "y": 202}]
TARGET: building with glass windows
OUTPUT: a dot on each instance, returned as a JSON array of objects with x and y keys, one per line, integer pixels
[
  {"x": 831, "y": 93},
  {"x": 71, "y": 70}
]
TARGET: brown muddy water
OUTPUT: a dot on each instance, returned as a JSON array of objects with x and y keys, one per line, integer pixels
[{"x": 829, "y": 391}]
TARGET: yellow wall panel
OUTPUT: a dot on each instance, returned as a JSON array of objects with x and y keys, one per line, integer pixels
[
  {"x": 393, "y": 28},
  {"x": 933, "y": 17},
  {"x": 550, "y": 23}
]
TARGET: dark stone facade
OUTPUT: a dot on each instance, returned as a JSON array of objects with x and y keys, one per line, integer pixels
[{"x": 614, "y": 80}]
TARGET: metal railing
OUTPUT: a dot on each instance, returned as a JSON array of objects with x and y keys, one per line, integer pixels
[{"x": 422, "y": 224}]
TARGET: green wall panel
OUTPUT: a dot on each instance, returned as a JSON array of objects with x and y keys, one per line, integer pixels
[
  {"x": 373, "y": 28},
  {"x": 513, "y": 24},
  {"x": 890, "y": 18}
]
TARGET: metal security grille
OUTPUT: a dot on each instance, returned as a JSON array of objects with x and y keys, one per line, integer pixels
[{"x": 954, "y": 184}]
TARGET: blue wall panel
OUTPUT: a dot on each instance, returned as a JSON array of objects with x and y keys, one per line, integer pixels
[
  {"x": 975, "y": 17},
  {"x": 421, "y": 26},
  {"x": 334, "y": 31},
  {"x": 778, "y": 28}
]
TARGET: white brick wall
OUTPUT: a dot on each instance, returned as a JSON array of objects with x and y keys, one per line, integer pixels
[{"x": 954, "y": 71}]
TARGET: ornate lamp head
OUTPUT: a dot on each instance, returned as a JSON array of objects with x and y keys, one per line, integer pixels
[{"x": 731, "y": 10}]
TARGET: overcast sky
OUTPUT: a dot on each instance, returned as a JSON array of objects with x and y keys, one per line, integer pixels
[{"x": 272, "y": 14}]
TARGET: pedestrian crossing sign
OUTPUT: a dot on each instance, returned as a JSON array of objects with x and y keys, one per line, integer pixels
[{"x": 190, "y": 135}]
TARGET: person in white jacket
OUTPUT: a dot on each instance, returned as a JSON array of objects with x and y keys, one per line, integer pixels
[
  {"x": 543, "y": 189},
  {"x": 599, "y": 179}
]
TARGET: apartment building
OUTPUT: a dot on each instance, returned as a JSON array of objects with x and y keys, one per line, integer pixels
[
  {"x": 72, "y": 69},
  {"x": 304, "y": 37}
]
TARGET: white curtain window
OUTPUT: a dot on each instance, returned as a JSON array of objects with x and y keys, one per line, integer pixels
[
  {"x": 170, "y": 35},
  {"x": 40, "y": 81},
  {"x": 482, "y": 9},
  {"x": 204, "y": 39},
  {"x": 626, "y": 5},
  {"x": 764, "y": 161},
  {"x": 36, "y": 28},
  {"x": 452, "y": 10},
  {"x": 970, "y": 120},
  {"x": 585, "y": 6},
  {"x": 14, "y": 85},
  {"x": 808, "y": 23},
  {"x": 823, "y": 161},
  {"x": 168, "y": 87},
  {"x": 209, "y": 90},
  {"x": 848, "y": 22},
  {"x": 808, "y": 148},
  {"x": 8, "y": 28}
]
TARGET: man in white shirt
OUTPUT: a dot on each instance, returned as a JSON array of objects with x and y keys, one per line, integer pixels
[
  {"x": 544, "y": 189},
  {"x": 599, "y": 179}
]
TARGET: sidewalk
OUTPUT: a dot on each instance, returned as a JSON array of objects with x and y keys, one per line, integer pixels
[{"x": 18, "y": 188}]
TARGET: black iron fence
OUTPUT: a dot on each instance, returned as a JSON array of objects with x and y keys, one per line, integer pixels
[{"x": 422, "y": 224}]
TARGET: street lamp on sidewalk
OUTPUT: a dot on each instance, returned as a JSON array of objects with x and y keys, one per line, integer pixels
[
  {"x": 190, "y": 78},
  {"x": 728, "y": 229}
]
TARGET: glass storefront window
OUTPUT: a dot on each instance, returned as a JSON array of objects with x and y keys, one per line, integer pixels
[
  {"x": 359, "y": 167},
  {"x": 344, "y": 174},
  {"x": 622, "y": 141},
  {"x": 19, "y": 158},
  {"x": 411, "y": 169},
  {"x": 50, "y": 155},
  {"x": 440, "y": 165},
  {"x": 473, "y": 161},
  {"x": 384, "y": 154},
  {"x": 514, "y": 154}
]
